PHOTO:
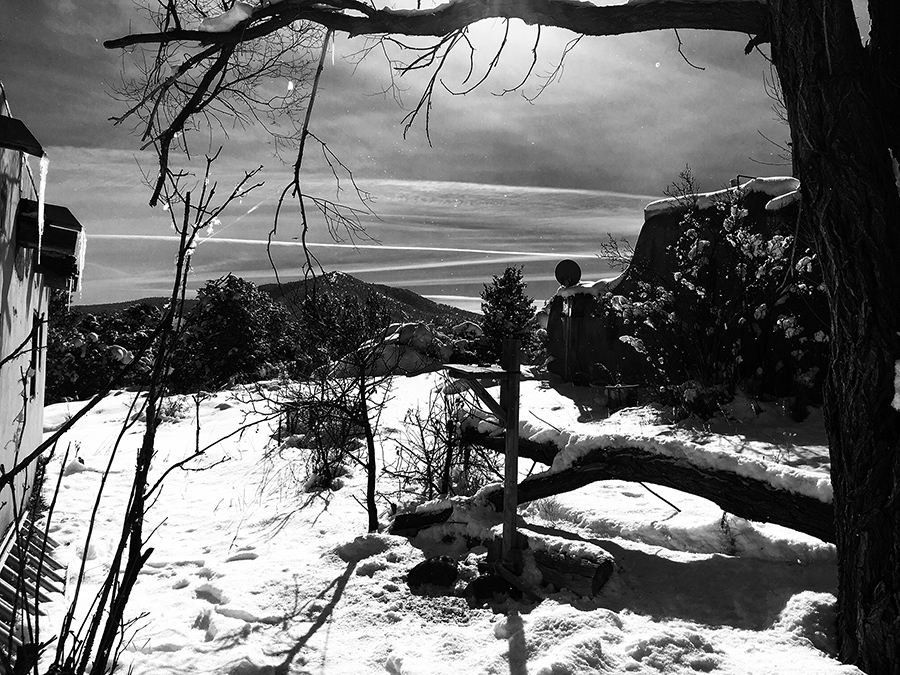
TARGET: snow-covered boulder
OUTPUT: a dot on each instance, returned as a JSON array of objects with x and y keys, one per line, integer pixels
[
  {"x": 407, "y": 349},
  {"x": 468, "y": 330}
]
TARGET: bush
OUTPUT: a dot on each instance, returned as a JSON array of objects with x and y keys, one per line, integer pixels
[
  {"x": 234, "y": 333},
  {"x": 744, "y": 306},
  {"x": 85, "y": 351}
]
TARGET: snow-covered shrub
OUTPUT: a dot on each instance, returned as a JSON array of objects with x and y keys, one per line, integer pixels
[
  {"x": 84, "y": 351},
  {"x": 234, "y": 333},
  {"x": 742, "y": 304}
]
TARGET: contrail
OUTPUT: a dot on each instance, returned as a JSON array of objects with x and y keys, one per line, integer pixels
[{"x": 374, "y": 247}]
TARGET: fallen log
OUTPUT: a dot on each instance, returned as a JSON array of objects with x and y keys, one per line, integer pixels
[
  {"x": 583, "y": 576},
  {"x": 410, "y": 524},
  {"x": 741, "y": 496}
]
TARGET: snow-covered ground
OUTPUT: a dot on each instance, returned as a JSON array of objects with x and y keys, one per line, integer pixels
[{"x": 251, "y": 576}]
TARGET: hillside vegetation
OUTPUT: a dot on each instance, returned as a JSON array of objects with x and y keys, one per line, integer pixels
[{"x": 232, "y": 332}]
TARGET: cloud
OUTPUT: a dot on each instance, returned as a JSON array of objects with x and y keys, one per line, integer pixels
[{"x": 501, "y": 174}]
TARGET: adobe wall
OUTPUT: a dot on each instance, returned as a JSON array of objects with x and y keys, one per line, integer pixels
[
  {"x": 22, "y": 298},
  {"x": 586, "y": 325}
]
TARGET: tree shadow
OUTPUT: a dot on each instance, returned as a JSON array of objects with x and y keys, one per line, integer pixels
[
  {"x": 338, "y": 585},
  {"x": 714, "y": 589}
]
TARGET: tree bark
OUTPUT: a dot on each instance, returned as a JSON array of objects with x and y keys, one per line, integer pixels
[{"x": 839, "y": 104}]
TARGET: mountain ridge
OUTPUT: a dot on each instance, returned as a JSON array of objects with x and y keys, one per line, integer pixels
[{"x": 402, "y": 303}]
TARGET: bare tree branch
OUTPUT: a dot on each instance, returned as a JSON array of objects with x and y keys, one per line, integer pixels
[{"x": 356, "y": 18}]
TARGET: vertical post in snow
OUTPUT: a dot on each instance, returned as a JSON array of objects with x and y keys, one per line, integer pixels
[{"x": 509, "y": 400}]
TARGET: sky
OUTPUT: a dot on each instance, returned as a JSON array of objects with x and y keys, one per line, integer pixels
[{"x": 504, "y": 180}]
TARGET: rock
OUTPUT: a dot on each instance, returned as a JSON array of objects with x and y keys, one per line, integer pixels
[
  {"x": 438, "y": 571},
  {"x": 489, "y": 589}
]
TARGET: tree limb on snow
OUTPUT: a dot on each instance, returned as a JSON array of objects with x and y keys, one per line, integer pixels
[{"x": 742, "y": 496}]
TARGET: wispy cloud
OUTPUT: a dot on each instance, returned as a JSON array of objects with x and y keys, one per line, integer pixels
[{"x": 366, "y": 247}]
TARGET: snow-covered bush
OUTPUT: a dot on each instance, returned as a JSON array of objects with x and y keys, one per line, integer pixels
[
  {"x": 85, "y": 351},
  {"x": 743, "y": 304},
  {"x": 234, "y": 333}
]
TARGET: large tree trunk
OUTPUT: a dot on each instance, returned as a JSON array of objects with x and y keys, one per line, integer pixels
[{"x": 843, "y": 129}]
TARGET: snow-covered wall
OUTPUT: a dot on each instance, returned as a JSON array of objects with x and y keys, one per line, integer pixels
[
  {"x": 23, "y": 302},
  {"x": 595, "y": 330}
]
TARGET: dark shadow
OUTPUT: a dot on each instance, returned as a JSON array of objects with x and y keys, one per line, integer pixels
[
  {"x": 716, "y": 589},
  {"x": 338, "y": 584}
]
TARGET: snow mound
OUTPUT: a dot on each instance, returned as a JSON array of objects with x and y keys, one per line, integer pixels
[
  {"x": 674, "y": 650},
  {"x": 811, "y": 616}
]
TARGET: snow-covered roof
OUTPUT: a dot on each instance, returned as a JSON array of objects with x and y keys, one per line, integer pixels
[
  {"x": 776, "y": 186},
  {"x": 783, "y": 201},
  {"x": 595, "y": 288}
]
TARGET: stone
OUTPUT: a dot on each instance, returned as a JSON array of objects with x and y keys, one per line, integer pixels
[{"x": 439, "y": 571}]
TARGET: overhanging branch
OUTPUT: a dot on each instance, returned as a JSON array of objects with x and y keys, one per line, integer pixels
[{"x": 742, "y": 16}]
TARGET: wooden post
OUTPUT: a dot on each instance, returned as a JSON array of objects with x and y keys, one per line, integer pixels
[{"x": 509, "y": 400}]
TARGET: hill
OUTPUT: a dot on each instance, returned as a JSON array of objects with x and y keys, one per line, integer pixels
[{"x": 402, "y": 304}]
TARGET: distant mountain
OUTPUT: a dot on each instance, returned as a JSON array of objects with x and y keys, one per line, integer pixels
[
  {"x": 401, "y": 303},
  {"x": 113, "y": 307}
]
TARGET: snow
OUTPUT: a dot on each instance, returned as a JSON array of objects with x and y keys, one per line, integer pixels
[
  {"x": 645, "y": 429},
  {"x": 895, "y": 403},
  {"x": 772, "y": 186},
  {"x": 783, "y": 201},
  {"x": 42, "y": 190},
  {"x": 227, "y": 21},
  {"x": 595, "y": 288},
  {"x": 249, "y": 575},
  {"x": 653, "y": 2}
]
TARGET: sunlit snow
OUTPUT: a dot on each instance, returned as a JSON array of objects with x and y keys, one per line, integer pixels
[{"x": 250, "y": 575}]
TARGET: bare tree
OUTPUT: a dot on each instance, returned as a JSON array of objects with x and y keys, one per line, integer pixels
[{"x": 841, "y": 97}]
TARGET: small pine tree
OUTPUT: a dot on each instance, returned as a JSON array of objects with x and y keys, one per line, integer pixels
[{"x": 508, "y": 313}]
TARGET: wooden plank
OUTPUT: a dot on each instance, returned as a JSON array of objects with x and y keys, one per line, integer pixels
[
  {"x": 12, "y": 577},
  {"x": 465, "y": 371},
  {"x": 488, "y": 400}
]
